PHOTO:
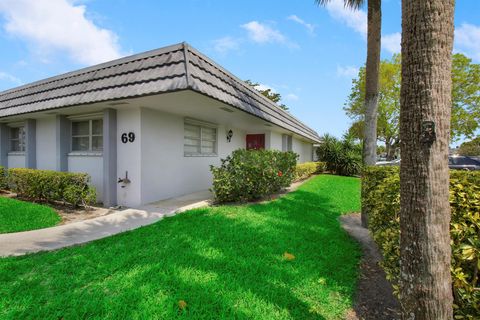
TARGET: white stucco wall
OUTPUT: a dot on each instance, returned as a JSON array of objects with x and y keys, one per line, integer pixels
[
  {"x": 93, "y": 165},
  {"x": 46, "y": 143},
  {"x": 303, "y": 149},
  {"x": 129, "y": 157},
  {"x": 275, "y": 141},
  {"x": 155, "y": 161},
  {"x": 308, "y": 152},
  {"x": 16, "y": 160},
  {"x": 166, "y": 172}
]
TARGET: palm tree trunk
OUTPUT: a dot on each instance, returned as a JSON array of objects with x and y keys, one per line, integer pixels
[
  {"x": 427, "y": 40},
  {"x": 371, "y": 81},
  {"x": 372, "y": 87}
]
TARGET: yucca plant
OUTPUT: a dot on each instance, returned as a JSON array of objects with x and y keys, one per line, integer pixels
[{"x": 343, "y": 157}]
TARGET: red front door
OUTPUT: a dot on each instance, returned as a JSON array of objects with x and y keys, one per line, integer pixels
[{"x": 255, "y": 141}]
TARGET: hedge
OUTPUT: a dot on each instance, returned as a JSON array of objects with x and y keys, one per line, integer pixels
[
  {"x": 47, "y": 185},
  {"x": 3, "y": 178},
  {"x": 248, "y": 175},
  {"x": 305, "y": 170},
  {"x": 382, "y": 198}
]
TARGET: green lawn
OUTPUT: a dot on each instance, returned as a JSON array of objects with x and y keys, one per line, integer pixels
[
  {"x": 225, "y": 262},
  {"x": 18, "y": 216}
]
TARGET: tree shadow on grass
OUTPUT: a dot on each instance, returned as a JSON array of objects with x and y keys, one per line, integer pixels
[{"x": 225, "y": 262}]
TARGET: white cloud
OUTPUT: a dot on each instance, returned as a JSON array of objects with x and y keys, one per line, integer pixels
[
  {"x": 273, "y": 89},
  {"x": 392, "y": 42},
  {"x": 263, "y": 87},
  {"x": 10, "y": 78},
  {"x": 262, "y": 33},
  {"x": 354, "y": 19},
  {"x": 257, "y": 32},
  {"x": 59, "y": 25},
  {"x": 310, "y": 27},
  {"x": 347, "y": 71},
  {"x": 225, "y": 44},
  {"x": 467, "y": 39},
  {"x": 357, "y": 21},
  {"x": 291, "y": 97}
]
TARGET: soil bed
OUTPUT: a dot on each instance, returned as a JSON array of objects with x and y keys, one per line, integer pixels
[{"x": 374, "y": 298}]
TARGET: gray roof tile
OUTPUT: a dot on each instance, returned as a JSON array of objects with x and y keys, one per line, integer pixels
[{"x": 172, "y": 68}]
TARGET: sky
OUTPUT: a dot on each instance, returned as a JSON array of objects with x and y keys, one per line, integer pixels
[{"x": 308, "y": 54}]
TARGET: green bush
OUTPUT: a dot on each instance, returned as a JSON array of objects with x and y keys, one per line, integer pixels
[
  {"x": 3, "y": 178},
  {"x": 465, "y": 235},
  {"x": 76, "y": 195},
  {"x": 50, "y": 185},
  {"x": 306, "y": 169},
  {"x": 343, "y": 157},
  {"x": 321, "y": 167},
  {"x": 381, "y": 196},
  {"x": 248, "y": 175}
]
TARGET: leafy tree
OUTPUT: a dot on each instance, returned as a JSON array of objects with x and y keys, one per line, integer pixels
[
  {"x": 381, "y": 149},
  {"x": 425, "y": 105},
  {"x": 465, "y": 96},
  {"x": 465, "y": 101},
  {"x": 388, "y": 105},
  {"x": 470, "y": 148},
  {"x": 268, "y": 93}
]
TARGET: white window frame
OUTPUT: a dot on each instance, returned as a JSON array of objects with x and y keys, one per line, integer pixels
[
  {"x": 90, "y": 134},
  {"x": 21, "y": 138},
  {"x": 202, "y": 125},
  {"x": 287, "y": 143}
]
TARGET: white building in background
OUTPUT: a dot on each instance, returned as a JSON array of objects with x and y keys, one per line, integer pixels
[{"x": 145, "y": 127}]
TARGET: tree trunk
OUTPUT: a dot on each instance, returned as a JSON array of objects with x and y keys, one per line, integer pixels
[
  {"x": 427, "y": 40},
  {"x": 372, "y": 82},
  {"x": 391, "y": 149},
  {"x": 388, "y": 149},
  {"x": 371, "y": 87}
]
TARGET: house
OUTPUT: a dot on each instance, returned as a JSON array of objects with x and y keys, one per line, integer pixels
[{"x": 145, "y": 127}]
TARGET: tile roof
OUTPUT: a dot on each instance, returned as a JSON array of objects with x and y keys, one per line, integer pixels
[{"x": 173, "y": 68}]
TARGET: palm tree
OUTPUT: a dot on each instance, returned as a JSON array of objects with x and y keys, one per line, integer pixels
[
  {"x": 425, "y": 104},
  {"x": 374, "y": 17}
]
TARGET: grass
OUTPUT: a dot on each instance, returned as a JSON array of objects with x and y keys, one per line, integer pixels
[
  {"x": 18, "y": 216},
  {"x": 225, "y": 262}
]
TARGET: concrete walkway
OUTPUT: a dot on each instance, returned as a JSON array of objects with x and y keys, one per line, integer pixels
[{"x": 20, "y": 243}]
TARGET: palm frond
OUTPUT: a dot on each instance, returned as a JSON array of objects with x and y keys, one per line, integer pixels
[{"x": 353, "y": 4}]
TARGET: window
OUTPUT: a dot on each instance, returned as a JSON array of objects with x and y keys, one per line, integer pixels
[
  {"x": 286, "y": 142},
  {"x": 17, "y": 139},
  {"x": 87, "y": 135},
  {"x": 199, "y": 140}
]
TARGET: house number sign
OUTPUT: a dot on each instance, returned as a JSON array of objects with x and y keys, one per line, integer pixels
[{"x": 128, "y": 137}]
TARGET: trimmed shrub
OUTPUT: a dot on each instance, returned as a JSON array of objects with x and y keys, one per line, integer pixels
[
  {"x": 3, "y": 178},
  {"x": 248, "y": 175},
  {"x": 50, "y": 186},
  {"x": 306, "y": 169},
  {"x": 321, "y": 167},
  {"x": 382, "y": 198},
  {"x": 465, "y": 235},
  {"x": 342, "y": 157},
  {"x": 78, "y": 194}
]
